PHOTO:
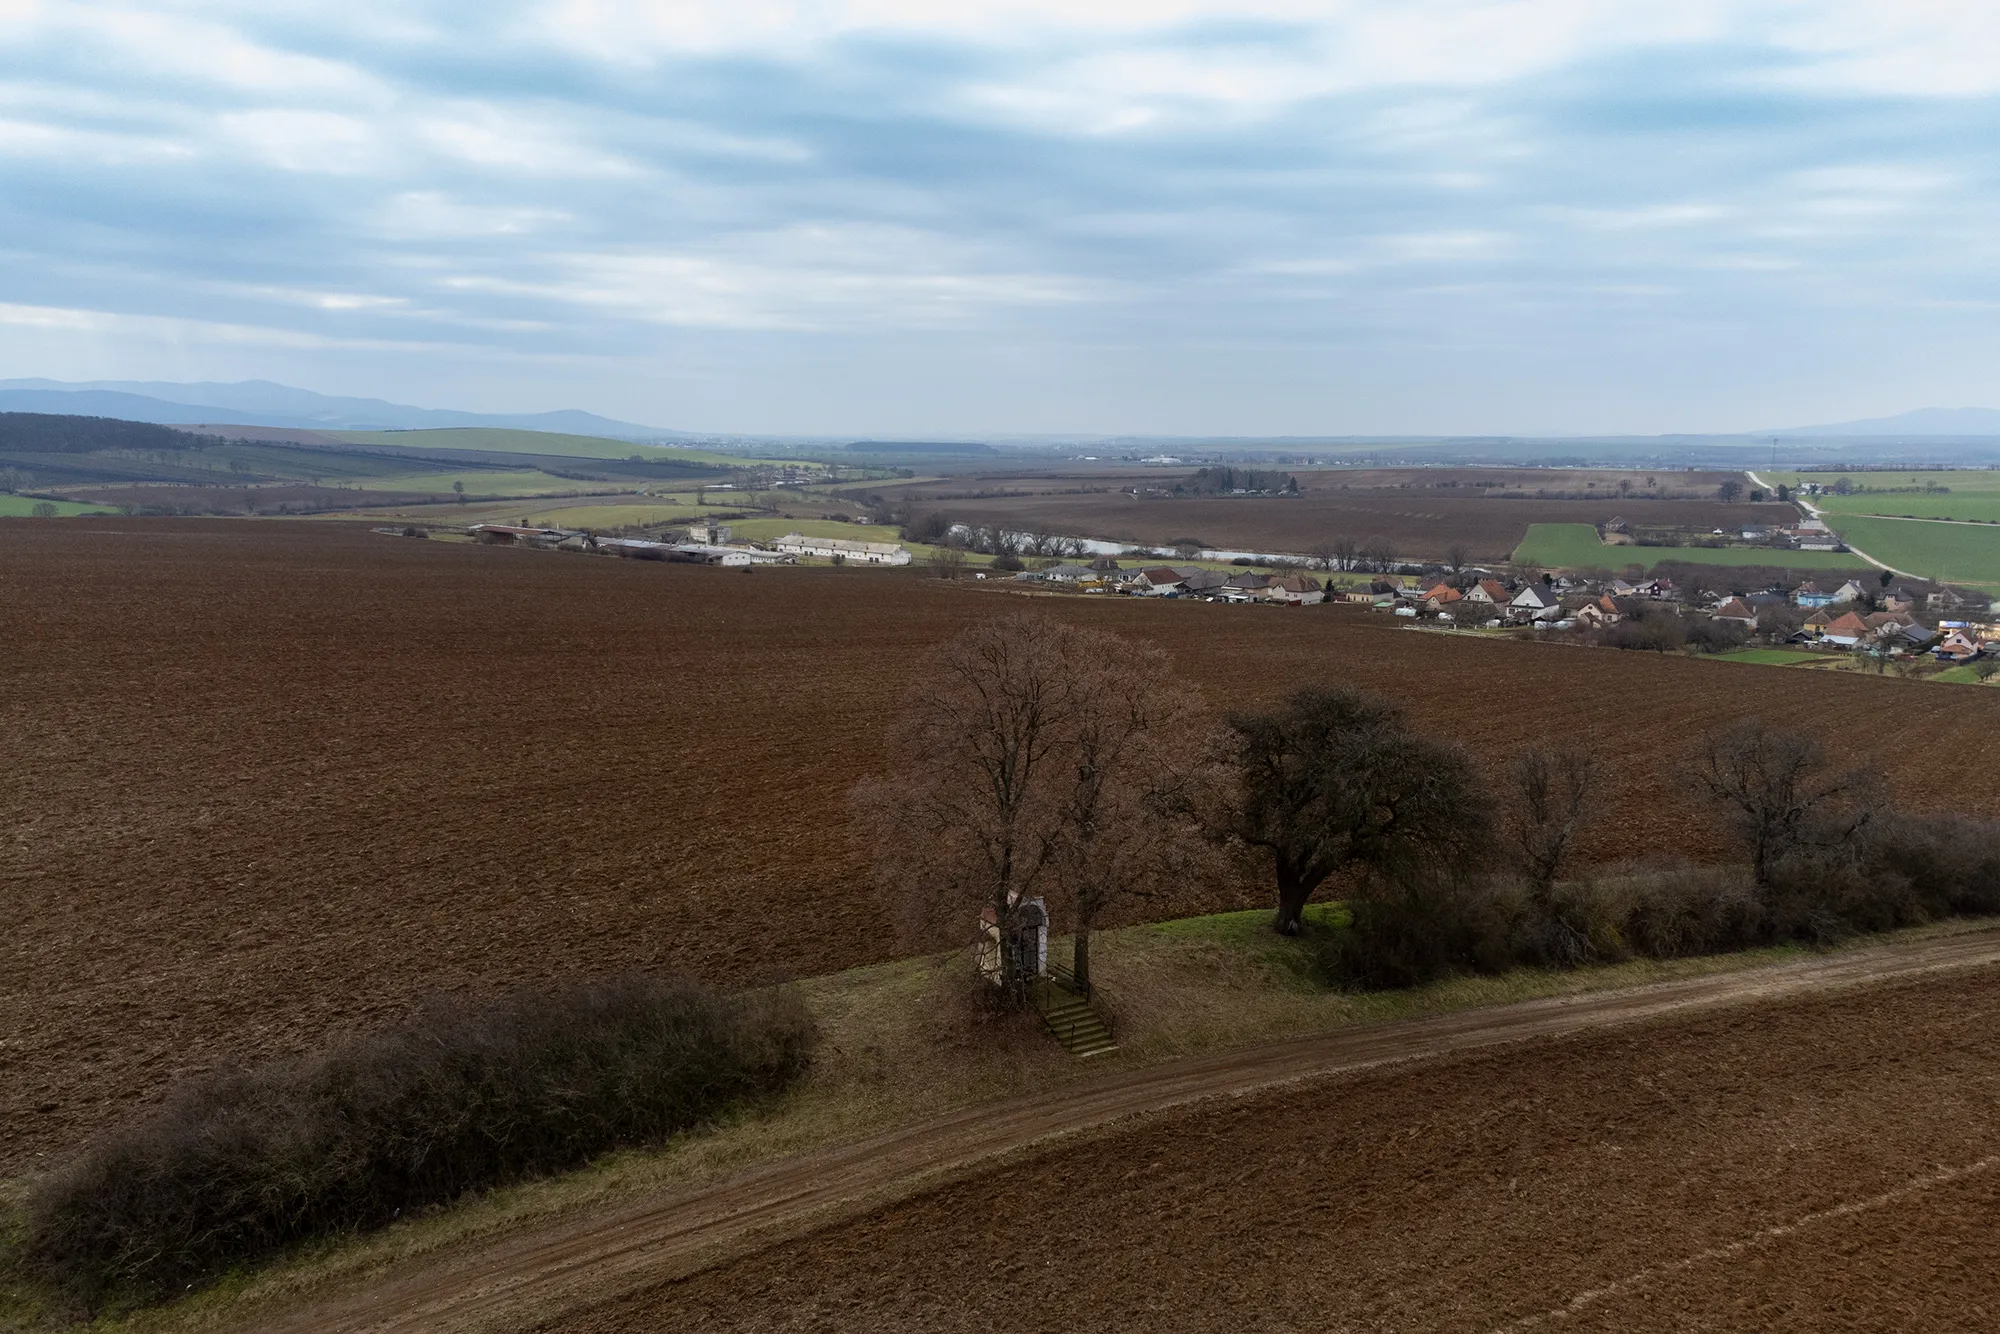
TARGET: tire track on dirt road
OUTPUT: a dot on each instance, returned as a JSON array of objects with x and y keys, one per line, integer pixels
[{"x": 530, "y": 1279}]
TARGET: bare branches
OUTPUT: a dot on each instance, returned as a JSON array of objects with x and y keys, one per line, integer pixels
[
  {"x": 1037, "y": 758},
  {"x": 1779, "y": 791},
  {"x": 1554, "y": 788}
]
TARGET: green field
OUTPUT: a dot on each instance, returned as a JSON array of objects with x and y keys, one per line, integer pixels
[
  {"x": 1769, "y": 657},
  {"x": 1967, "y": 479},
  {"x": 23, "y": 507},
  {"x": 1973, "y": 506},
  {"x": 1957, "y": 553},
  {"x": 1574, "y": 546},
  {"x": 495, "y": 440},
  {"x": 512, "y": 482}
]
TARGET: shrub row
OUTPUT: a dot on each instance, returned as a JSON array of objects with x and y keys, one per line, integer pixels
[
  {"x": 242, "y": 1163},
  {"x": 1902, "y": 871}
]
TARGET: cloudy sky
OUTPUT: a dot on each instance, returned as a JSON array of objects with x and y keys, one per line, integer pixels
[{"x": 889, "y": 217}]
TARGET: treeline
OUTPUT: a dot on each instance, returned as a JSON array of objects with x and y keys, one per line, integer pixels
[
  {"x": 54, "y": 433},
  {"x": 1227, "y": 481},
  {"x": 1052, "y": 770}
]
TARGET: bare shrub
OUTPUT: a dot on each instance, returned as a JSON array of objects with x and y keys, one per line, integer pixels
[
  {"x": 1680, "y": 912},
  {"x": 240, "y": 1164},
  {"x": 1779, "y": 790},
  {"x": 1553, "y": 790},
  {"x": 1417, "y": 924},
  {"x": 1573, "y": 924}
]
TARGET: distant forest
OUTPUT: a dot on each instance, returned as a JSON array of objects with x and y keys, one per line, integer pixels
[
  {"x": 1225, "y": 481},
  {"x": 53, "y": 433}
]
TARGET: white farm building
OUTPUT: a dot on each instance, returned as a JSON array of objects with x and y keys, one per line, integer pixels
[{"x": 857, "y": 553}]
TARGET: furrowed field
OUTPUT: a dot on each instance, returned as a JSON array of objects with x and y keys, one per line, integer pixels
[
  {"x": 267, "y": 781},
  {"x": 1409, "y": 521}
]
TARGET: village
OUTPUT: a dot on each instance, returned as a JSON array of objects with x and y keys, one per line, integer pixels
[{"x": 1879, "y": 617}]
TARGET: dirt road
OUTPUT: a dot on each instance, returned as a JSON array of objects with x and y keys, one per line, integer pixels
[{"x": 533, "y": 1279}]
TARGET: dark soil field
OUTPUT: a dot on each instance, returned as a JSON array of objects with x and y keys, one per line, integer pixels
[
  {"x": 1822, "y": 1164},
  {"x": 267, "y": 781},
  {"x": 1412, "y": 524}
]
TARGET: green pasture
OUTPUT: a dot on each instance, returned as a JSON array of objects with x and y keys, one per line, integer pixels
[
  {"x": 23, "y": 507},
  {"x": 1977, "y": 480},
  {"x": 1574, "y": 546},
  {"x": 1957, "y": 553},
  {"x": 1769, "y": 657},
  {"x": 1972, "y": 506},
  {"x": 509, "y": 483}
]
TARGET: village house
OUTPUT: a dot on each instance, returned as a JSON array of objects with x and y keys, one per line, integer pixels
[
  {"x": 1849, "y": 592},
  {"x": 1846, "y": 630},
  {"x": 1295, "y": 590},
  {"x": 1960, "y": 645},
  {"x": 1810, "y": 594},
  {"x": 1491, "y": 592},
  {"x": 1534, "y": 604},
  {"x": 1442, "y": 597},
  {"x": 1599, "y": 614},
  {"x": 1736, "y": 612},
  {"x": 1205, "y": 583},
  {"x": 1158, "y": 582}
]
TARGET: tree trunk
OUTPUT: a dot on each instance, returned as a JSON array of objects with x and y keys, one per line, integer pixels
[
  {"x": 1080, "y": 957},
  {"x": 1293, "y": 891}
]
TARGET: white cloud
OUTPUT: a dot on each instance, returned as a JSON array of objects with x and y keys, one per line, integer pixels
[{"x": 175, "y": 329}]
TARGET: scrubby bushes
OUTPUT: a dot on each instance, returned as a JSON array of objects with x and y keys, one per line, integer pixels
[
  {"x": 1829, "y": 857},
  {"x": 243, "y": 1163},
  {"x": 1900, "y": 871}
]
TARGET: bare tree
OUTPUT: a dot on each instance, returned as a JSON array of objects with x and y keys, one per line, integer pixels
[
  {"x": 1322, "y": 555},
  {"x": 947, "y": 562},
  {"x": 1729, "y": 490},
  {"x": 1139, "y": 769},
  {"x": 1554, "y": 789},
  {"x": 1380, "y": 556},
  {"x": 1346, "y": 551},
  {"x": 1457, "y": 555},
  {"x": 1334, "y": 778},
  {"x": 1036, "y": 759},
  {"x": 1780, "y": 789}
]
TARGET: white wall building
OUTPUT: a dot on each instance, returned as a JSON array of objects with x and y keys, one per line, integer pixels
[{"x": 856, "y": 553}]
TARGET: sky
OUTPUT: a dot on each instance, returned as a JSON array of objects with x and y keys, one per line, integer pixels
[{"x": 883, "y": 217}]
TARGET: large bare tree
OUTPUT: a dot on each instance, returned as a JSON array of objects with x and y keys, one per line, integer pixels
[{"x": 1035, "y": 759}]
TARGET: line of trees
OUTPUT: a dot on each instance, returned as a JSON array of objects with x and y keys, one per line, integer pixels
[{"x": 1046, "y": 766}]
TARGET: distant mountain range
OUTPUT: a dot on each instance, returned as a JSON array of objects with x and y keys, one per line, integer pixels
[
  {"x": 262, "y": 403},
  {"x": 1959, "y": 422}
]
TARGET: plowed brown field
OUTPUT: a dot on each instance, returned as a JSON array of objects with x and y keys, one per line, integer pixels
[
  {"x": 1829, "y": 1163},
  {"x": 266, "y": 780}
]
